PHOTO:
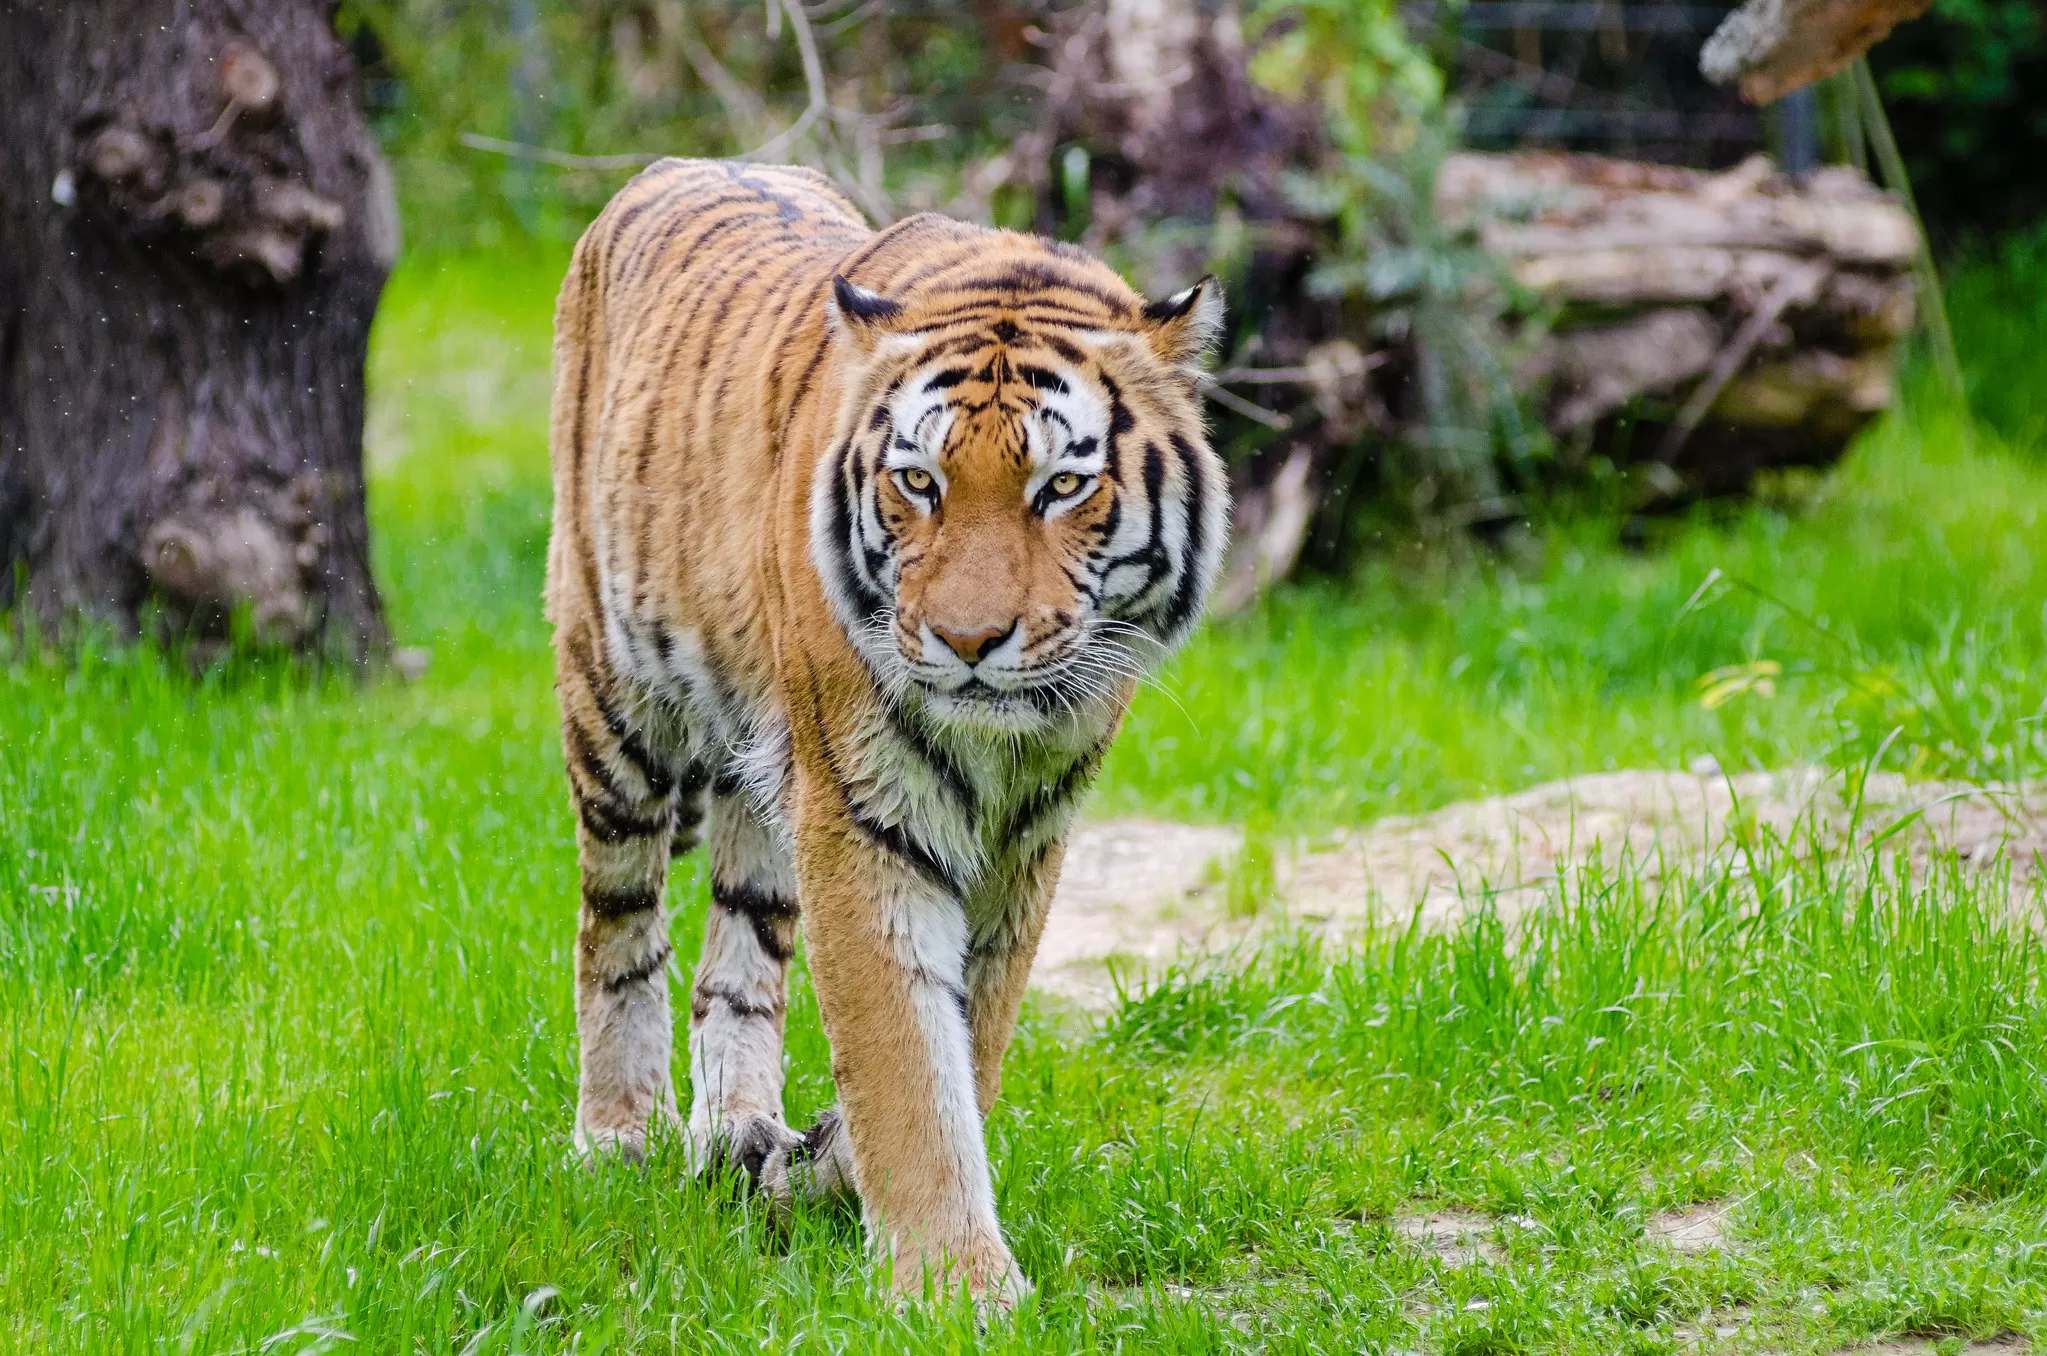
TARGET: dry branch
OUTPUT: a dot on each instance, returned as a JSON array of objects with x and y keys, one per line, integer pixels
[{"x": 1776, "y": 46}]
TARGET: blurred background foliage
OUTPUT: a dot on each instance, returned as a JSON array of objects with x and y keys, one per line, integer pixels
[
  {"x": 1966, "y": 88},
  {"x": 1298, "y": 161},
  {"x": 927, "y": 83},
  {"x": 953, "y": 83}
]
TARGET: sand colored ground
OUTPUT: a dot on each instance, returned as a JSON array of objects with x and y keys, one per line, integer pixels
[{"x": 1137, "y": 893}]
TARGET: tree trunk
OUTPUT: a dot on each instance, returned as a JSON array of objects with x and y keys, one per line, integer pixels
[{"x": 194, "y": 229}]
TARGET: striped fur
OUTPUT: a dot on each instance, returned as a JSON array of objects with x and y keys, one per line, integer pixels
[{"x": 861, "y": 540}]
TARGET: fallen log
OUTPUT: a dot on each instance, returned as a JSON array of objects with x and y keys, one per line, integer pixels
[{"x": 1741, "y": 320}]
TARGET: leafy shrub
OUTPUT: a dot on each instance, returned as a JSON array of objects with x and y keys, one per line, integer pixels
[{"x": 1966, "y": 88}]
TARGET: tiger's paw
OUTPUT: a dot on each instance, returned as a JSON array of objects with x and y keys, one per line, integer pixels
[
  {"x": 816, "y": 1166},
  {"x": 747, "y": 1144},
  {"x": 999, "y": 1289},
  {"x": 989, "y": 1274}
]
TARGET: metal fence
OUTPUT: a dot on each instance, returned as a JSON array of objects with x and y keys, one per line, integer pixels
[{"x": 1619, "y": 77}]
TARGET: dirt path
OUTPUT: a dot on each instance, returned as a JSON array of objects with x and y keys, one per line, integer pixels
[{"x": 1140, "y": 892}]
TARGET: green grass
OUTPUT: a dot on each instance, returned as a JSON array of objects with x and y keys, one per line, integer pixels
[{"x": 287, "y": 1048}]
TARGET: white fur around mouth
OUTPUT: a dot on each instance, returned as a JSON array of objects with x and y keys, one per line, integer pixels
[{"x": 976, "y": 704}]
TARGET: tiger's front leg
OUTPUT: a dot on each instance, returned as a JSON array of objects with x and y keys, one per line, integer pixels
[
  {"x": 999, "y": 962},
  {"x": 888, "y": 955},
  {"x": 818, "y": 1163},
  {"x": 739, "y": 1000}
]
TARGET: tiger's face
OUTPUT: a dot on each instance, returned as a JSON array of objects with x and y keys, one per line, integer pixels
[{"x": 1021, "y": 514}]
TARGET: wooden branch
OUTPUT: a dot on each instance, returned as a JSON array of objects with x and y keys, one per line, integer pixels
[
  {"x": 1271, "y": 525},
  {"x": 519, "y": 150},
  {"x": 1256, "y": 414},
  {"x": 1792, "y": 288},
  {"x": 1776, "y": 46},
  {"x": 743, "y": 108}
]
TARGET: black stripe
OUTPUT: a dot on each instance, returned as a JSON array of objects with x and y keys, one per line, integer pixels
[
  {"x": 1120, "y": 423},
  {"x": 1041, "y": 309},
  {"x": 893, "y": 839},
  {"x": 802, "y": 388},
  {"x": 866, "y": 595},
  {"x": 583, "y": 754},
  {"x": 705, "y": 994},
  {"x": 889, "y": 837},
  {"x": 623, "y": 902},
  {"x": 614, "y": 825},
  {"x": 938, "y": 759},
  {"x": 629, "y": 744},
  {"x": 1181, "y": 611},
  {"x": 965, "y": 345},
  {"x": 770, "y": 323},
  {"x": 738, "y": 218},
  {"x": 1105, "y": 530},
  {"x": 762, "y": 910},
  {"x": 1035, "y": 277},
  {"x": 1053, "y": 796},
  {"x": 1063, "y": 347},
  {"x": 874, "y": 560},
  {"x": 1153, "y": 552},
  {"x": 646, "y": 247},
  {"x": 642, "y": 972}
]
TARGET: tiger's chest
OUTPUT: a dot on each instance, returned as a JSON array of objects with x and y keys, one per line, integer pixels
[
  {"x": 966, "y": 810},
  {"x": 972, "y": 813}
]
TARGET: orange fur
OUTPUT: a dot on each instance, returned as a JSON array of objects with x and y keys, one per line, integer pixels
[{"x": 860, "y": 542}]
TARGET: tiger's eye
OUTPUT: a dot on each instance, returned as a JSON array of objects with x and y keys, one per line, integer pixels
[
  {"x": 917, "y": 479},
  {"x": 1065, "y": 483}
]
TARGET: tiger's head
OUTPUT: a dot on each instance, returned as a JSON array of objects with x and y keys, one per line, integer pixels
[{"x": 1020, "y": 512}]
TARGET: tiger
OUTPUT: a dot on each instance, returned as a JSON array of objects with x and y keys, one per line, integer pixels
[{"x": 862, "y": 541}]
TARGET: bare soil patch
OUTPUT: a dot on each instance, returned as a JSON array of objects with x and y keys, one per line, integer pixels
[
  {"x": 1456, "y": 1237},
  {"x": 1697, "y": 1228},
  {"x": 1141, "y": 892},
  {"x": 2009, "y": 1345},
  {"x": 1135, "y": 893}
]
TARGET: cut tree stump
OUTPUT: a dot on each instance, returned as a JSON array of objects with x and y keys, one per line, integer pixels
[{"x": 194, "y": 230}]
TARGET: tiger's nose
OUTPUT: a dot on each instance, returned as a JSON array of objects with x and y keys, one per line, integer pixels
[{"x": 973, "y": 646}]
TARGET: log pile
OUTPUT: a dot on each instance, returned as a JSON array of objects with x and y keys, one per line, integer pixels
[
  {"x": 1741, "y": 320},
  {"x": 1699, "y": 327}
]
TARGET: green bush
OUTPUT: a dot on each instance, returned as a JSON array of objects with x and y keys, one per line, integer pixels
[
  {"x": 626, "y": 77},
  {"x": 1966, "y": 88}
]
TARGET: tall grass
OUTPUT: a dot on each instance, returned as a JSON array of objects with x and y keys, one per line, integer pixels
[
  {"x": 2000, "y": 302},
  {"x": 1906, "y": 588},
  {"x": 286, "y": 1034},
  {"x": 1890, "y": 1014}
]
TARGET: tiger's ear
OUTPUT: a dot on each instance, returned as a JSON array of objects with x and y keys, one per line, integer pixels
[
  {"x": 1184, "y": 327},
  {"x": 860, "y": 315}
]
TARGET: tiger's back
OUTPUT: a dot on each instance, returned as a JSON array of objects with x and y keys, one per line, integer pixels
[{"x": 666, "y": 408}]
